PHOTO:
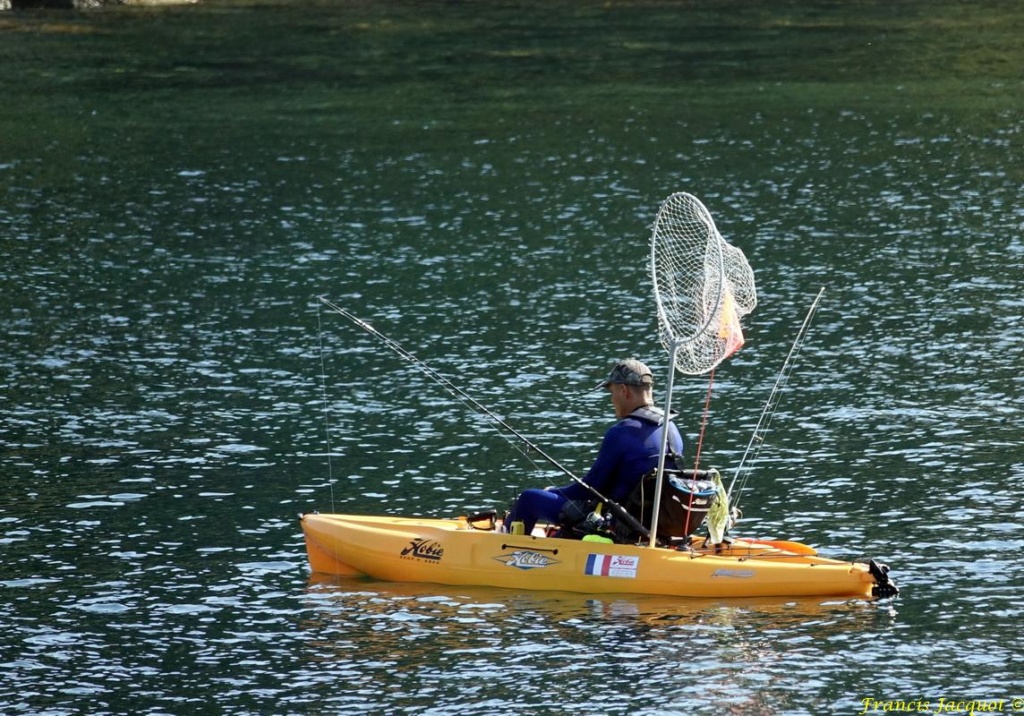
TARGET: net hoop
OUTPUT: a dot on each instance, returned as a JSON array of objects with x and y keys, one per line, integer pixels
[{"x": 703, "y": 286}]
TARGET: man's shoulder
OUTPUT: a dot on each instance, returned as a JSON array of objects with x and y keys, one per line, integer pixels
[
  {"x": 632, "y": 423},
  {"x": 647, "y": 414}
]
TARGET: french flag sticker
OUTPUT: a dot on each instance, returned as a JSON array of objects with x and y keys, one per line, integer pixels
[{"x": 612, "y": 565}]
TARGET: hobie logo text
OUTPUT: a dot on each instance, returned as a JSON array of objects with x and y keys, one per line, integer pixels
[
  {"x": 421, "y": 548},
  {"x": 525, "y": 559}
]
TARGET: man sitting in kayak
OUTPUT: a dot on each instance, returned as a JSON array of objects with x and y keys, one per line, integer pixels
[{"x": 629, "y": 450}]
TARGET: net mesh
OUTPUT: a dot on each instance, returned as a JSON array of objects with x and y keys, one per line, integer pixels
[{"x": 702, "y": 286}]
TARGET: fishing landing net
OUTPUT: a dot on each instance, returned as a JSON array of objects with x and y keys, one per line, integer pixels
[{"x": 702, "y": 288}]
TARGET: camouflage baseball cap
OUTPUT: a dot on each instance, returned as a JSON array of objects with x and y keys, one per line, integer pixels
[{"x": 629, "y": 372}]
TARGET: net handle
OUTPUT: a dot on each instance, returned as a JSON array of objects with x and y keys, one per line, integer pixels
[{"x": 664, "y": 445}]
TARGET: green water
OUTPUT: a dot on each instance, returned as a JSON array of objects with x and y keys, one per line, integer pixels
[{"x": 479, "y": 179}]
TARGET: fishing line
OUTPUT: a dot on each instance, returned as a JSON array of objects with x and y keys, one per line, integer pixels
[
  {"x": 704, "y": 421},
  {"x": 327, "y": 412},
  {"x": 451, "y": 388},
  {"x": 767, "y": 414}
]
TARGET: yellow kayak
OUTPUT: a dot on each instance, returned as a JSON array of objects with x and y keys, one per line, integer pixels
[{"x": 455, "y": 552}]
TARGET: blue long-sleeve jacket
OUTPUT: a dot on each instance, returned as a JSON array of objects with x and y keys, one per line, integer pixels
[{"x": 629, "y": 451}]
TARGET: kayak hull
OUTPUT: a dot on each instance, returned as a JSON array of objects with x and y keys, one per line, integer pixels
[{"x": 452, "y": 552}]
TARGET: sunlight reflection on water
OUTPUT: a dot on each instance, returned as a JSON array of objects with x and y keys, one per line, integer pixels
[{"x": 167, "y": 413}]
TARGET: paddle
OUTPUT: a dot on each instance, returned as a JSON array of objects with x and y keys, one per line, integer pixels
[
  {"x": 779, "y": 544},
  {"x": 794, "y": 547}
]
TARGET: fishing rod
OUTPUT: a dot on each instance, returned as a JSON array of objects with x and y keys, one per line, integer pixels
[
  {"x": 773, "y": 398},
  {"x": 469, "y": 400},
  {"x": 441, "y": 380}
]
